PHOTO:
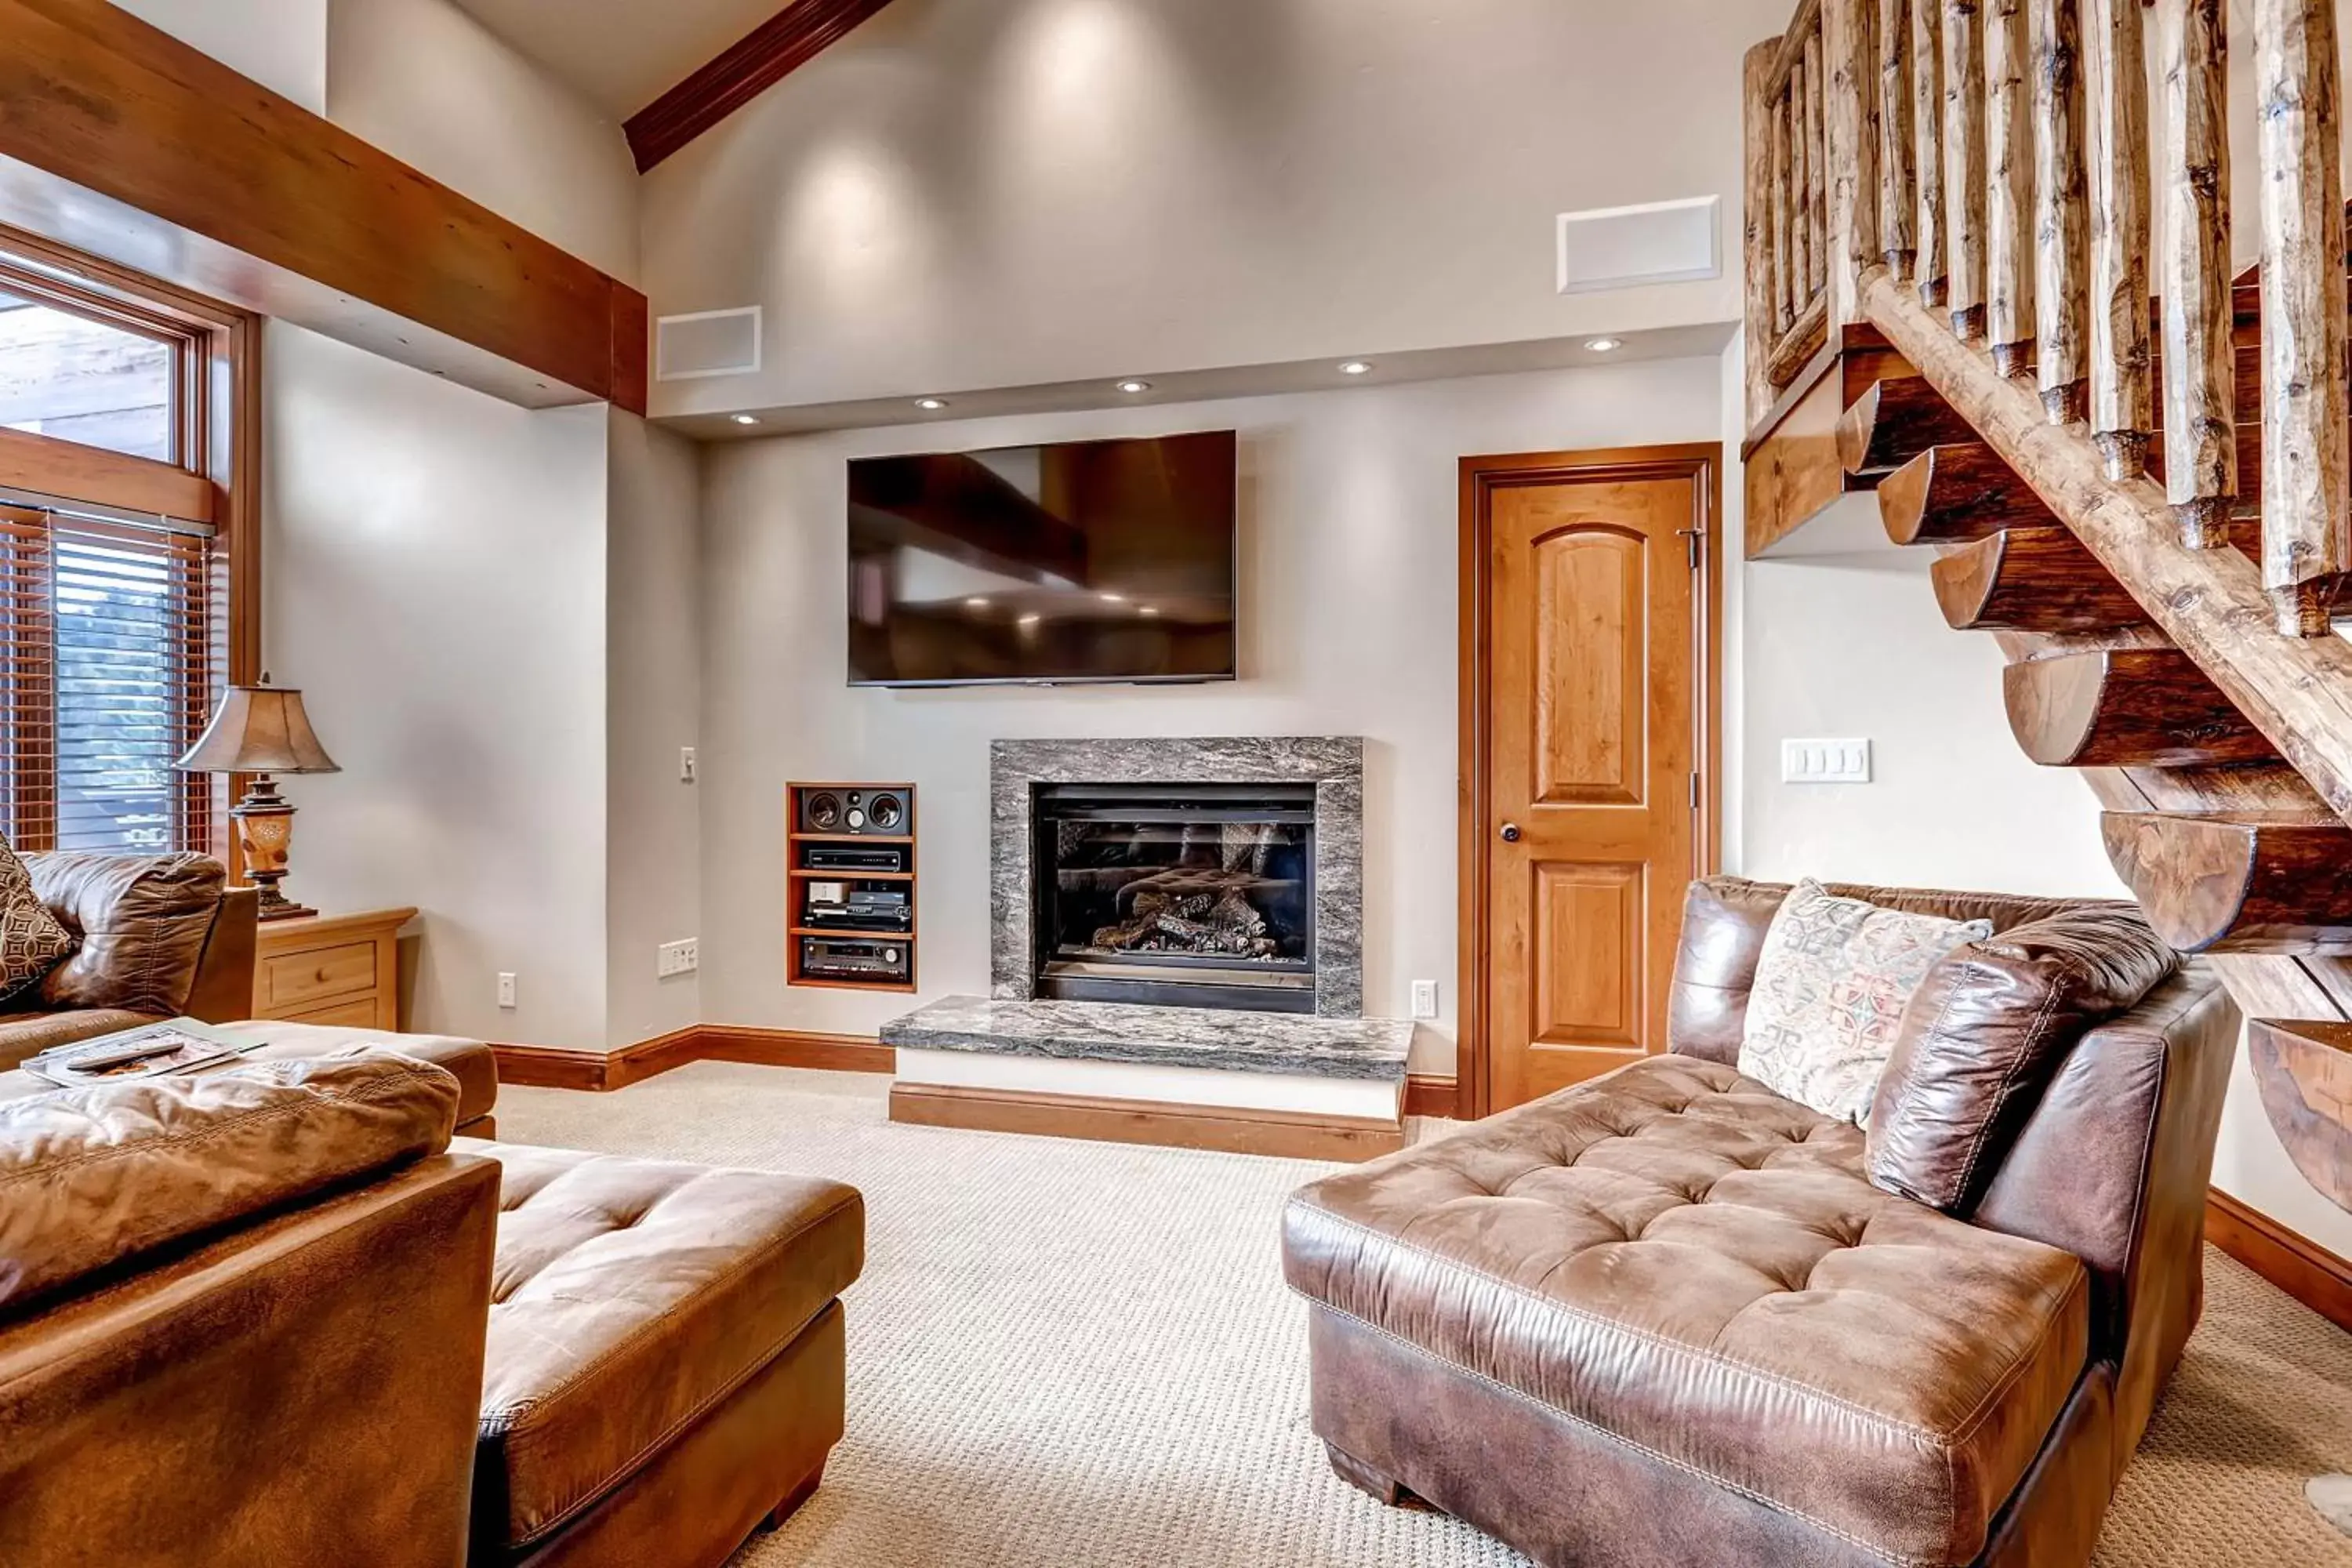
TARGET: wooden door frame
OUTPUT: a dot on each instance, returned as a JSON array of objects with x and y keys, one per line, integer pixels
[{"x": 1699, "y": 461}]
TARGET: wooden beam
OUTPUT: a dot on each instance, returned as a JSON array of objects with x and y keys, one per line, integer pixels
[
  {"x": 758, "y": 61},
  {"x": 119, "y": 139}
]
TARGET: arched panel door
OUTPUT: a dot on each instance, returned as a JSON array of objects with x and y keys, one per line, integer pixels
[{"x": 1587, "y": 813}]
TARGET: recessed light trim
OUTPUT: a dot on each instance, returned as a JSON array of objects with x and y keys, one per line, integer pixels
[
  {"x": 747, "y": 418},
  {"x": 1032, "y": 619},
  {"x": 1604, "y": 345},
  {"x": 1133, "y": 388},
  {"x": 975, "y": 603},
  {"x": 930, "y": 404},
  {"x": 1356, "y": 367},
  {"x": 1148, "y": 610}
]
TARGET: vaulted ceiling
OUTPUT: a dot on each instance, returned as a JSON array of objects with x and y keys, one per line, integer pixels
[{"x": 622, "y": 54}]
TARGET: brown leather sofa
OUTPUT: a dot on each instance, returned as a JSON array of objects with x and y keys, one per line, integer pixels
[
  {"x": 1667, "y": 1317},
  {"x": 274, "y": 1314},
  {"x": 161, "y": 936}
]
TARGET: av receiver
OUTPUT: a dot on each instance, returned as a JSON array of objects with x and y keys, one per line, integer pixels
[
  {"x": 859, "y": 808},
  {"x": 846, "y": 906},
  {"x": 834, "y": 958}
]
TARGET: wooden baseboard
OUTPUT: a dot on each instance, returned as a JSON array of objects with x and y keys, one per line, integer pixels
[
  {"x": 555, "y": 1066},
  {"x": 1285, "y": 1134},
  {"x": 2295, "y": 1263},
  {"x": 1432, "y": 1096}
]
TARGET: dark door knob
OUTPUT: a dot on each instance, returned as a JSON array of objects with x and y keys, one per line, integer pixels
[{"x": 1510, "y": 833}]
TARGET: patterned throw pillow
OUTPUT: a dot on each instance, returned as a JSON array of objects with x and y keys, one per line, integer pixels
[
  {"x": 32, "y": 942},
  {"x": 1830, "y": 988}
]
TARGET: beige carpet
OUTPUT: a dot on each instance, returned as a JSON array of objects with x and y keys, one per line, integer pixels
[{"x": 1082, "y": 1355}]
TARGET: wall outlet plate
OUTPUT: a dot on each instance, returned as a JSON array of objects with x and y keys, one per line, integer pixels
[
  {"x": 686, "y": 764},
  {"x": 678, "y": 958},
  {"x": 1824, "y": 762},
  {"x": 506, "y": 988},
  {"x": 1424, "y": 998}
]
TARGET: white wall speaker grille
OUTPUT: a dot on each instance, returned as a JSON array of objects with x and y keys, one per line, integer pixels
[
  {"x": 707, "y": 342},
  {"x": 1626, "y": 248}
]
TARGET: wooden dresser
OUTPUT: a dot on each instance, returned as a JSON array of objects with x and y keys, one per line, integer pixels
[{"x": 331, "y": 969}]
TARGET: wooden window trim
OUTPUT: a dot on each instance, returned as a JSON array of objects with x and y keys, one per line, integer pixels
[{"x": 218, "y": 478}]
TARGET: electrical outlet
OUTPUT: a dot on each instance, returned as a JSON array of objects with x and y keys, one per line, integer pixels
[
  {"x": 686, "y": 764},
  {"x": 506, "y": 988},
  {"x": 1424, "y": 998},
  {"x": 1824, "y": 762},
  {"x": 678, "y": 958}
]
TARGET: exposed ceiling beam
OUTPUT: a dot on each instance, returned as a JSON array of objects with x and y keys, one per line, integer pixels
[
  {"x": 763, "y": 57},
  {"x": 118, "y": 139}
]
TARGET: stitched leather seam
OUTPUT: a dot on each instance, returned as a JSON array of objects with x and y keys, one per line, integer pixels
[
  {"x": 1685, "y": 1466},
  {"x": 628, "y": 1470},
  {"x": 506, "y": 1421},
  {"x": 368, "y": 1091},
  {"x": 2071, "y": 970},
  {"x": 1593, "y": 1320}
]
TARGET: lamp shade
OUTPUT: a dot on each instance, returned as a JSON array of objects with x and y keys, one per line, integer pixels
[{"x": 258, "y": 730}]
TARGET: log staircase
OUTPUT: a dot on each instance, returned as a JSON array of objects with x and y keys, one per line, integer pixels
[{"x": 2144, "y": 495}]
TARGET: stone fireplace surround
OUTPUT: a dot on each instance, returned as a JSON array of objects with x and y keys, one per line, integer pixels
[{"x": 1333, "y": 764}]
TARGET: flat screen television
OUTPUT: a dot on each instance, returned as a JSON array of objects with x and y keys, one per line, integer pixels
[{"x": 1085, "y": 560}]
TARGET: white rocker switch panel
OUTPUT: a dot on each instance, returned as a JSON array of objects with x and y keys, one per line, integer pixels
[{"x": 1825, "y": 762}]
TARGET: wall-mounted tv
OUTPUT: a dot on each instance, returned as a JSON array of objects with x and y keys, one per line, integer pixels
[{"x": 1085, "y": 560}]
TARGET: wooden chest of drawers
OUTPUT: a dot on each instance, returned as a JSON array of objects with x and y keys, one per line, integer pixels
[{"x": 331, "y": 969}]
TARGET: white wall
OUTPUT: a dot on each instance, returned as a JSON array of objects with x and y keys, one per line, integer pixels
[
  {"x": 1348, "y": 568},
  {"x": 281, "y": 44},
  {"x": 970, "y": 194},
  {"x": 431, "y": 85},
  {"x": 435, "y": 580},
  {"x": 652, "y": 703}
]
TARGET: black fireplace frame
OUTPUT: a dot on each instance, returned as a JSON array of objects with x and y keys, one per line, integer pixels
[{"x": 1153, "y": 983}]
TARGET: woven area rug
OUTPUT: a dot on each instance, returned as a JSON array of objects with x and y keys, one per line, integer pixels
[{"x": 1082, "y": 1355}]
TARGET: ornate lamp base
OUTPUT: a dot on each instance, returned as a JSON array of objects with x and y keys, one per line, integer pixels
[{"x": 265, "y": 830}]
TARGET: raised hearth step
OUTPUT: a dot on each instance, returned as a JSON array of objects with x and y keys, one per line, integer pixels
[{"x": 1217, "y": 1039}]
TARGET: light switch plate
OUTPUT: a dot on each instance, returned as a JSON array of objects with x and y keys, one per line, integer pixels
[
  {"x": 678, "y": 958},
  {"x": 1824, "y": 762}
]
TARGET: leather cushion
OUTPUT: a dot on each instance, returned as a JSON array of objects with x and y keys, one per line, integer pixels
[
  {"x": 1677, "y": 1258},
  {"x": 1984, "y": 1033},
  {"x": 629, "y": 1298},
  {"x": 142, "y": 921},
  {"x": 92, "y": 1176},
  {"x": 471, "y": 1061},
  {"x": 1723, "y": 923}
]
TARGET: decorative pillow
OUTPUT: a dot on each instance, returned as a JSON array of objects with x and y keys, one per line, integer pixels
[
  {"x": 32, "y": 942},
  {"x": 1830, "y": 986},
  {"x": 1983, "y": 1036}
]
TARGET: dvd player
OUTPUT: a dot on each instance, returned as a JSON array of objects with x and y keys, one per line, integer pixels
[
  {"x": 854, "y": 858},
  {"x": 842, "y": 906}
]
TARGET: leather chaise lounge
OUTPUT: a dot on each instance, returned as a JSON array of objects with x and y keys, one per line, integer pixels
[{"x": 1667, "y": 1317}]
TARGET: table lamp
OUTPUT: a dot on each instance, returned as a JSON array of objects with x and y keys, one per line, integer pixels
[{"x": 262, "y": 729}]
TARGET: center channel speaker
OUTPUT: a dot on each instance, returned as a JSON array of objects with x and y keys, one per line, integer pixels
[{"x": 857, "y": 809}]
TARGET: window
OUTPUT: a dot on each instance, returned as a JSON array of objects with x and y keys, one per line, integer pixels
[{"x": 114, "y": 569}]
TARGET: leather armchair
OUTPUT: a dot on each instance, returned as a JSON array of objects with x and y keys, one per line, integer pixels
[{"x": 242, "y": 1319}]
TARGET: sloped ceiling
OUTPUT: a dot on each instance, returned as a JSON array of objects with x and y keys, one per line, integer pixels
[{"x": 622, "y": 54}]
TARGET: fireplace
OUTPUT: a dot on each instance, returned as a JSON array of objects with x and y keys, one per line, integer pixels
[{"x": 1187, "y": 894}]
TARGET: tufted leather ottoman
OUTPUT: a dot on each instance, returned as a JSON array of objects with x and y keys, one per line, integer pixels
[
  {"x": 1554, "y": 1321},
  {"x": 665, "y": 1361}
]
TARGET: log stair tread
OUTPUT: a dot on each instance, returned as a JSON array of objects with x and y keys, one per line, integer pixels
[
  {"x": 2237, "y": 882},
  {"x": 2127, "y": 708},
  {"x": 1957, "y": 492}
]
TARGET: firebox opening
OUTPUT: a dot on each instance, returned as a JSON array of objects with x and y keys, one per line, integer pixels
[{"x": 1193, "y": 895}]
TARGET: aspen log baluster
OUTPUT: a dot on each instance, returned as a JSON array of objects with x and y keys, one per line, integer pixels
[
  {"x": 1852, "y": 209},
  {"x": 1932, "y": 269},
  {"x": 2009, "y": 195},
  {"x": 1898, "y": 184},
  {"x": 1964, "y": 163},
  {"x": 1816, "y": 170},
  {"x": 2200, "y": 441},
  {"x": 1800, "y": 184},
  {"x": 2061, "y": 218},
  {"x": 1784, "y": 243},
  {"x": 2116, "y": 81},
  {"x": 2307, "y": 540},
  {"x": 1763, "y": 311}
]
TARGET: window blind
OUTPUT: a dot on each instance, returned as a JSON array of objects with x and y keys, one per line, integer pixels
[{"x": 108, "y": 666}]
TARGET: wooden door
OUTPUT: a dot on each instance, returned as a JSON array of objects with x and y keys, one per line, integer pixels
[{"x": 1587, "y": 738}]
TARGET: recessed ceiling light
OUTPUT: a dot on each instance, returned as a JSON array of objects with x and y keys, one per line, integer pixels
[
  {"x": 930, "y": 404},
  {"x": 1148, "y": 610},
  {"x": 1132, "y": 387},
  {"x": 976, "y": 603},
  {"x": 1032, "y": 619},
  {"x": 1604, "y": 345},
  {"x": 1356, "y": 367},
  {"x": 1114, "y": 598},
  {"x": 746, "y": 420}
]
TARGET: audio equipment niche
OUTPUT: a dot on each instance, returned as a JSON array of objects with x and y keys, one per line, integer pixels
[{"x": 851, "y": 882}]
